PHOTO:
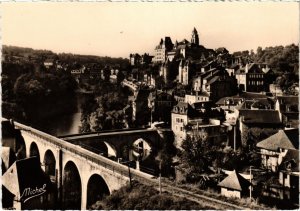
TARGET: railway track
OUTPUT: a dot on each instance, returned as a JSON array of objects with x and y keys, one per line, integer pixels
[{"x": 200, "y": 199}]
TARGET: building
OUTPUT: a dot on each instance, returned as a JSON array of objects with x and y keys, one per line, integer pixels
[
  {"x": 275, "y": 147},
  {"x": 161, "y": 50},
  {"x": 180, "y": 116},
  {"x": 162, "y": 105},
  {"x": 49, "y": 63},
  {"x": 211, "y": 130},
  {"x": 135, "y": 59},
  {"x": 288, "y": 110},
  {"x": 216, "y": 83},
  {"x": 30, "y": 186},
  {"x": 231, "y": 102},
  {"x": 260, "y": 121},
  {"x": 289, "y": 169},
  {"x": 146, "y": 58},
  {"x": 253, "y": 77},
  {"x": 187, "y": 119},
  {"x": 141, "y": 112},
  {"x": 195, "y": 97},
  {"x": 184, "y": 72},
  {"x": 195, "y": 37},
  {"x": 276, "y": 90},
  {"x": 234, "y": 185}
]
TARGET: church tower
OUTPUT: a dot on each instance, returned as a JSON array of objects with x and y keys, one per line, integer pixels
[{"x": 195, "y": 37}]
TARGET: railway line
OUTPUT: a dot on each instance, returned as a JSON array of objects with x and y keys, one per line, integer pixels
[{"x": 201, "y": 199}]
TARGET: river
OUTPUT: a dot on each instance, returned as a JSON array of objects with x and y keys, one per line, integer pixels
[{"x": 64, "y": 124}]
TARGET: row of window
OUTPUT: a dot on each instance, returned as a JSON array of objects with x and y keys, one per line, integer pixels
[
  {"x": 180, "y": 128},
  {"x": 256, "y": 76},
  {"x": 179, "y": 120},
  {"x": 255, "y": 82}
]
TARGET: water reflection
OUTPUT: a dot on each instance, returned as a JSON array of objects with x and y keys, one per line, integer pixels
[{"x": 65, "y": 124}]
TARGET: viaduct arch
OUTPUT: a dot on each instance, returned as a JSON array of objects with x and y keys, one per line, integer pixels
[
  {"x": 92, "y": 174},
  {"x": 71, "y": 187},
  {"x": 97, "y": 189}
]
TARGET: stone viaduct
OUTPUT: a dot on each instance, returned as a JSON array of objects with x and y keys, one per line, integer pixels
[
  {"x": 81, "y": 176},
  {"x": 119, "y": 143}
]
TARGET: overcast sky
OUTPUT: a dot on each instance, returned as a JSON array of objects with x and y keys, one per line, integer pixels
[{"x": 118, "y": 29}]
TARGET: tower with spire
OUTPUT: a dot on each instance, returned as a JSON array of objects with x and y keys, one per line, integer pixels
[{"x": 195, "y": 37}]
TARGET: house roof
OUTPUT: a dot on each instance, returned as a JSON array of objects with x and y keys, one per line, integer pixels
[
  {"x": 244, "y": 95},
  {"x": 259, "y": 116},
  {"x": 235, "y": 181},
  {"x": 252, "y": 68},
  {"x": 181, "y": 108},
  {"x": 184, "y": 109},
  {"x": 27, "y": 173},
  {"x": 286, "y": 139}
]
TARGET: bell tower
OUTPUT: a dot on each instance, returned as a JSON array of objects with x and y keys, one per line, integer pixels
[{"x": 195, "y": 37}]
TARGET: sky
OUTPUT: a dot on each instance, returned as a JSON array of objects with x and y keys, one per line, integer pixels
[{"x": 118, "y": 29}]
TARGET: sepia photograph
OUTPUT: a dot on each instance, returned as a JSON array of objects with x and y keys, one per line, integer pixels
[{"x": 149, "y": 105}]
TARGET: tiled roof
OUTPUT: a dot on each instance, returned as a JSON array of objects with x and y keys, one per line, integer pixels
[
  {"x": 235, "y": 181},
  {"x": 181, "y": 108},
  {"x": 28, "y": 175},
  {"x": 184, "y": 109},
  {"x": 260, "y": 116},
  {"x": 286, "y": 139},
  {"x": 265, "y": 102},
  {"x": 243, "y": 95}
]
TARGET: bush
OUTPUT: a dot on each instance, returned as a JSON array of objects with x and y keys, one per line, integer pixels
[{"x": 145, "y": 197}]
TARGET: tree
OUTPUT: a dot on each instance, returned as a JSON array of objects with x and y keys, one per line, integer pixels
[{"x": 195, "y": 151}]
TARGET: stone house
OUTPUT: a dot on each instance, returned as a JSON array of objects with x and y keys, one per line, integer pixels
[
  {"x": 234, "y": 185},
  {"x": 288, "y": 110},
  {"x": 274, "y": 148},
  {"x": 253, "y": 77},
  {"x": 256, "y": 121}
]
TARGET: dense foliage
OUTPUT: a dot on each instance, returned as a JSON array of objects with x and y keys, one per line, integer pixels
[
  {"x": 144, "y": 197},
  {"x": 32, "y": 96},
  {"x": 103, "y": 111},
  {"x": 200, "y": 156},
  {"x": 280, "y": 58}
]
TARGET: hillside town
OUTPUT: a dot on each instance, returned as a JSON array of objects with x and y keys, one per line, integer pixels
[{"x": 230, "y": 120}]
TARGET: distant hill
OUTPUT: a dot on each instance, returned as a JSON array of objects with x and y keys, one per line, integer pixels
[{"x": 29, "y": 54}]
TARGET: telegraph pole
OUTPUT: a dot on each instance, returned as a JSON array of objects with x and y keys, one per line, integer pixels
[
  {"x": 159, "y": 179},
  {"x": 250, "y": 184},
  {"x": 129, "y": 173}
]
